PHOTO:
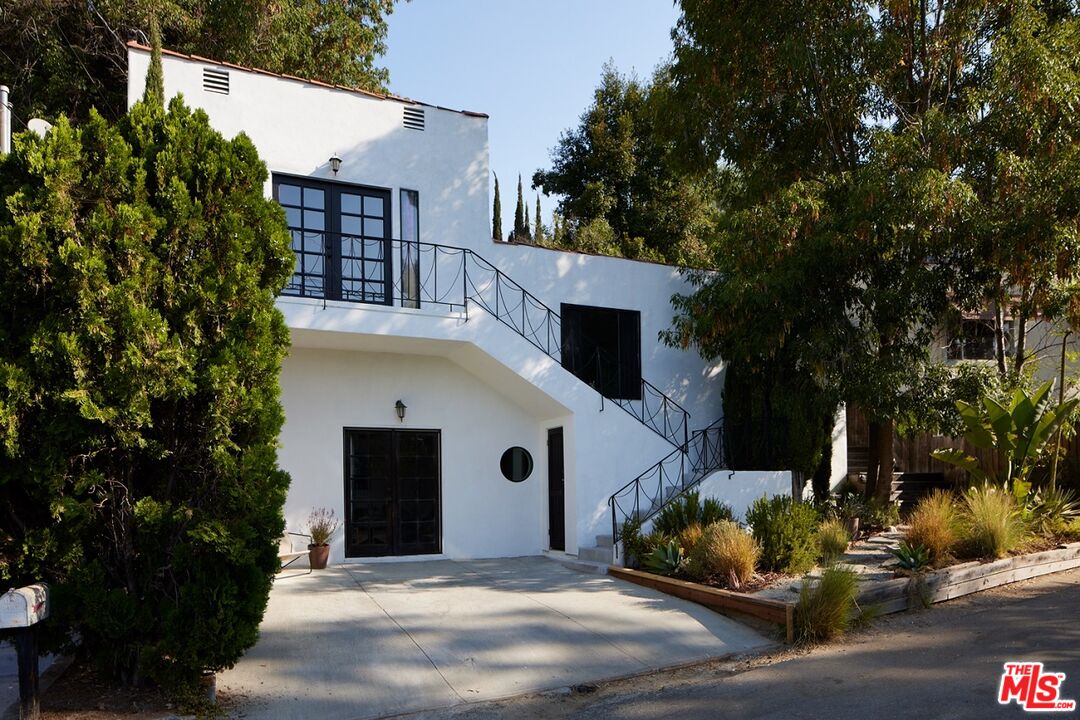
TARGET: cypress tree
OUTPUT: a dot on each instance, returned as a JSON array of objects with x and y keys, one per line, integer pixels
[
  {"x": 154, "y": 94},
  {"x": 519, "y": 215},
  {"x": 538, "y": 228},
  {"x": 526, "y": 232},
  {"x": 496, "y": 213},
  {"x": 139, "y": 398}
]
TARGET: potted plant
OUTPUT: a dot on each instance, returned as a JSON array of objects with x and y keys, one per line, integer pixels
[{"x": 321, "y": 525}]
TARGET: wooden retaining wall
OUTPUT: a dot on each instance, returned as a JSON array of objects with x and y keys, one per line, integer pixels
[
  {"x": 959, "y": 580},
  {"x": 774, "y": 611},
  {"x": 885, "y": 597}
]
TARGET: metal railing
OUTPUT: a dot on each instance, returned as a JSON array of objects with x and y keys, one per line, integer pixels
[
  {"x": 716, "y": 447},
  {"x": 351, "y": 268},
  {"x": 677, "y": 472}
]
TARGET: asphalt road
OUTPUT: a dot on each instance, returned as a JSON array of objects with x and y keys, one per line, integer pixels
[{"x": 945, "y": 662}]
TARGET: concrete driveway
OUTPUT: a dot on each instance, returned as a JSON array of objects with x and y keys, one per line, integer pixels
[{"x": 363, "y": 641}]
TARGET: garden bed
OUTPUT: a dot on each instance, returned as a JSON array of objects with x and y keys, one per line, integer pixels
[
  {"x": 774, "y": 611},
  {"x": 884, "y": 596},
  {"x": 955, "y": 581}
]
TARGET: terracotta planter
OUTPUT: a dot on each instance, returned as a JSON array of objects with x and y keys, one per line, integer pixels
[{"x": 318, "y": 555}]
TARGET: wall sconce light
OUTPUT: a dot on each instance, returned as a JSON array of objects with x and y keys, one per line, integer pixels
[
  {"x": 401, "y": 408},
  {"x": 335, "y": 163}
]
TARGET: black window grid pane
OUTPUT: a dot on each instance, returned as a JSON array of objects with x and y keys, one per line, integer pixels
[{"x": 366, "y": 278}]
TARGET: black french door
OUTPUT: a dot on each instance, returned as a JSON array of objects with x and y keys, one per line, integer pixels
[
  {"x": 392, "y": 493},
  {"x": 341, "y": 239}
]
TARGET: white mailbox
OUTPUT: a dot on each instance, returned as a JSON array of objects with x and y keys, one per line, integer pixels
[{"x": 25, "y": 606}]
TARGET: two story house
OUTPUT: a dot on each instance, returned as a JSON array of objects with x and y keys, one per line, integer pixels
[{"x": 448, "y": 395}]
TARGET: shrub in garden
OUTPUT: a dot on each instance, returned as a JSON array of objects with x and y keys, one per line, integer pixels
[
  {"x": 689, "y": 510},
  {"x": 877, "y": 515},
  {"x": 833, "y": 539},
  {"x": 825, "y": 605},
  {"x": 725, "y": 550},
  {"x": 633, "y": 542},
  {"x": 786, "y": 533},
  {"x": 991, "y": 521},
  {"x": 935, "y": 524},
  {"x": 140, "y": 351},
  {"x": 690, "y": 537}
]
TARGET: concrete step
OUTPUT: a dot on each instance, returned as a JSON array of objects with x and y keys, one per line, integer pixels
[
  {"x": 604, "y": 541},
  {"x": 596, "y": 555},
  {"x": 571, "y": 562}
]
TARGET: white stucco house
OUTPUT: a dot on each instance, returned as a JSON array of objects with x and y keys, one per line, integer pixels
[{"x": 448, "y": 395}]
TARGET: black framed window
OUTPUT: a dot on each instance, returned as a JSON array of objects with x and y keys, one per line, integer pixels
[
  {"x": 975, "y": 339},
  {"x": 602, "y": 347},
  {"x": 341, "y": 238},
  {"x": 410, "y": 248}
]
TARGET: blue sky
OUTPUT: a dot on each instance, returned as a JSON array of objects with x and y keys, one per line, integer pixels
[{"x": 532, "y": 66}]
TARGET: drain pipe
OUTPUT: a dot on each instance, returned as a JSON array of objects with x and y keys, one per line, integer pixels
[{"x": 5, "y": 121}]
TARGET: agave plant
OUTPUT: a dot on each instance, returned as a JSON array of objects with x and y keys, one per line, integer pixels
[
  {"x": 1053, "y": 508},
  {"x": 911, "y": 557},
  {"x": 666, "y": 559},
  {"x": 1019, "y": 431}
]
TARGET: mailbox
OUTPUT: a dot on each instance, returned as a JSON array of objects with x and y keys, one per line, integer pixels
[
  {"x": 25, "y": 606},
  {"x": 20, "y": 610}
]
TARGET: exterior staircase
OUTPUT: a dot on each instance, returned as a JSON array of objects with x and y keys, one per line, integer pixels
[
  {"x": 642, "y": 498},
  {"x": 459, "y": 278}
]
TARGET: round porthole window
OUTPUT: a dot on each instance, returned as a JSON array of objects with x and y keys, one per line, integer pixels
[{"x": 516, "y": 464}]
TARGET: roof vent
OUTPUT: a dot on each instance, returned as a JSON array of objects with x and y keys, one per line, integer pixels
[
  {"x": 215, "y": 81},
  {"x": 413, "y": 118}
]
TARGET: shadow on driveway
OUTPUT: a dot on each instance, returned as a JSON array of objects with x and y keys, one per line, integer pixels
[{"x": 361, "y": 641}]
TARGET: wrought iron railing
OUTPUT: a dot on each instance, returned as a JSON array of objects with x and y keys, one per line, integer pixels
[
  {"x": 426, "y": 274},
  {"x": 678, "y": 471},
  {"x": 753, "y": 445}
]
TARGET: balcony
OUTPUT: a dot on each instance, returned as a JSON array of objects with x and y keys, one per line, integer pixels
[{"x": 425, "y": 276}]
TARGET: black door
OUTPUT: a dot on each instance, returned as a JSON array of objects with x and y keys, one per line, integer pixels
[
  {"x": 341, "y": 239},
  {"x": 391, "y": 492},
  {"x": 556, "y": 491}
]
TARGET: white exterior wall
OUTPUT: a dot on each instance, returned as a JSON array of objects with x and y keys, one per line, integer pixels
[
  {"x": 566, "y": 277},
  {"x": 325, "y": 391},
  {"x": 468, "y": 376},
  {"x": 604, "y": 446},
  {"x": 740, "y": 489},
  {"x": 298, "y": 126}
]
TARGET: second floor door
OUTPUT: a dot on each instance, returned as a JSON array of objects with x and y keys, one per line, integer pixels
[{"x": 340, "y": 237}]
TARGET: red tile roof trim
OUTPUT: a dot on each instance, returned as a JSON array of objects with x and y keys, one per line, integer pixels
[{"x": 358, "y": 91}]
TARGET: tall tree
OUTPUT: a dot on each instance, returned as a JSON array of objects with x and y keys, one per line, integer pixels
[
  {"x": 140, "y": 351},
  {"x": 538, "y": 227},
  {"x": 619, "y": 192},
  {"x": 496, "y": 214},
  {"x": 1023, "y": 163},
  {"x": 520, "y": 234},
  {"x": 154, "y": 93},
  {"x": 66, "y": 56},
  {"x": 852, "y": 221}
]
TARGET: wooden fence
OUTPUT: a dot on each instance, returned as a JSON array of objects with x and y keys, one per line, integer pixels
[{"x": 912, "y": 453}]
